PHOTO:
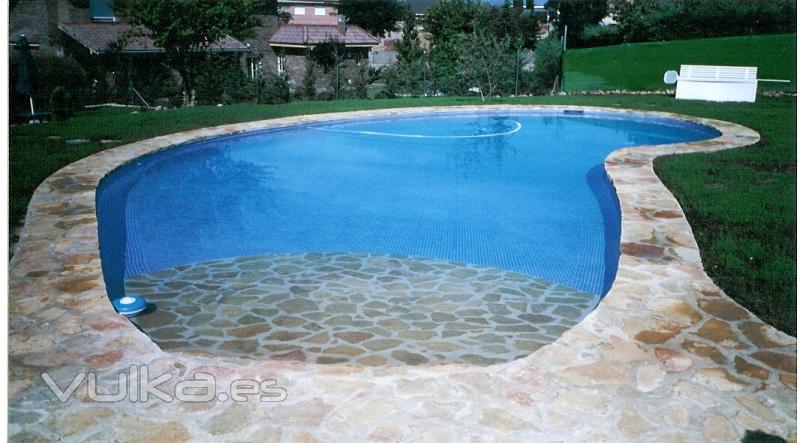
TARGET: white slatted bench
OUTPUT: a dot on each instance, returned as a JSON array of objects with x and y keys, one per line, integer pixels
[{"x": 717, "y": 83}]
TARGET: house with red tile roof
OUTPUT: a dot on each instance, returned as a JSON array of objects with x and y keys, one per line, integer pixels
[
  {"x": 308, "y": 23},
  {"x": 103, "y": 45},
  {"x": 96, "y": 28},
  {"x": 110, "y": 56}
]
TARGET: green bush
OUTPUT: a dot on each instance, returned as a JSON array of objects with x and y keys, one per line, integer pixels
[
  {"x": 361, "y": 82},
  {"x": 406, "y": 76},
  {"x": 154, "y": 80},
  {"x": 598, "y": 35},
  {"x": 52, "y": 71},
  {"x": 111, "y": 75},
  {"x": 275, "y": 90},
  {"x": 222, "y": 81},
  {"x": 46, "y": 73},
  {"x": 384, "y": 94},
  {"x": 308, "y": 89},
  {"x": 648, "y": 20},
  {"x": 325, "y": 96},
  {"x": 60, "y": 103}
]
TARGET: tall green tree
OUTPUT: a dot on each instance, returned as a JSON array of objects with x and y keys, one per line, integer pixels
[
  {"x": 377, "y": 17},
  {"x": 547, "y": 67},
  {"x": 187, "y": 28},
  {"x": 485, "y": 62},
  {"x": 267, "y": 7},
  {"x": 578, "y": 14},
  {"x": 447, "y": 19},
  {"x": 447, "y": 22},
  {"x": 455, "y": 24},
  {"x": 330, "y": 55},
  {"x": 411, "y": 71}
]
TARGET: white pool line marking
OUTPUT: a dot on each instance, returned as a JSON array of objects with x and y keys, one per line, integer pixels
[{"x": 390, "y": 134}]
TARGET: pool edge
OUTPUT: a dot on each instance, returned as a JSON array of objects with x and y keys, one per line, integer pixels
[{"x": 55, "y": 279}]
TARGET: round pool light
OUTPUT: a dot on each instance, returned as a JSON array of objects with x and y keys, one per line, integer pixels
[{"x": 130, "y": 305}]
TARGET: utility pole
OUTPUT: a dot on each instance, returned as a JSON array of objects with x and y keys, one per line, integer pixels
[{"x": 563, "y": 55}]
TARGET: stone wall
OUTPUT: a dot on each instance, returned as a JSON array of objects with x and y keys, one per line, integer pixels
[{"x": 295, "y": 69}]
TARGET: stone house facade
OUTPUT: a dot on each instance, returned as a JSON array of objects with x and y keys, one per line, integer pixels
[{"x": 282, "y": 47}]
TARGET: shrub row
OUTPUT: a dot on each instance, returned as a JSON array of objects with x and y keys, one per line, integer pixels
[{"x": 661, "y": 20}]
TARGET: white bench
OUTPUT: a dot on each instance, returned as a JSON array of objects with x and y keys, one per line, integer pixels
[{"x": 717, "y": 83}]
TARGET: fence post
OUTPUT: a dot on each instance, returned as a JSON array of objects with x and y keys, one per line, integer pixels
[{"x": 516, "y": 75}]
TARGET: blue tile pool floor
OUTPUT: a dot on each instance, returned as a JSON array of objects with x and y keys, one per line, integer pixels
[{"x": 514, "y": 190}]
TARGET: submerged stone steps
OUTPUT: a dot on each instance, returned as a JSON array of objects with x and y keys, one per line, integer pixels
[{"x": 362, "y": 309}]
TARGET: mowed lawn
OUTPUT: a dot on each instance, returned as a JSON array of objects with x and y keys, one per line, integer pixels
[
  {"x": 741, "y": 203},
  {"x": 641, "y": 66}
]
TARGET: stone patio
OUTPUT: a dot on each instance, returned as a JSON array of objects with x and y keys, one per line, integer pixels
[
  {"x": 369, "y": 310},
  {"x": 666, "y": 356}
]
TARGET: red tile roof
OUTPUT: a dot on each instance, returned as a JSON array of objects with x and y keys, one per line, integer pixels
[
  {"x": 306, "y": 35},
  {"x": 101, "y": 37}
]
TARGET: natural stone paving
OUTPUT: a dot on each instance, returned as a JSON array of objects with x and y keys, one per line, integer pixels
[
  {"x": 361, "y": 309},
  {"x": 666, "y": 356}
]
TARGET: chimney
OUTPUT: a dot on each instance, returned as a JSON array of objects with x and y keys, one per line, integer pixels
[{"x": 341, "y": 24}]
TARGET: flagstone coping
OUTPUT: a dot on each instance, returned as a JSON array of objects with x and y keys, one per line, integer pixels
[{"x": 666, "y": 356}]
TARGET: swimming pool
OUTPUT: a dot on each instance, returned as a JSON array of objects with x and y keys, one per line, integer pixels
[{"x": 518, "y": 191}]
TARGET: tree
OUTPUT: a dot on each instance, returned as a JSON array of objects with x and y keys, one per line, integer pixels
[
  {"x": 485, "y": 61},
  {"x": 446, "y": 19},
  {"x": 330, "y": 55},
  {"x": 187, "y": 28},
  {"x": 578, "y": 14},
  {"x": 268, "y": 7},
  {"x": 521, "y": 27},
  {"x": 656, "y": 20},
  {"x": 410, "y": 46},
  {"x": 547, "y": 66},
  {"x": 409, "y": 73},
  {"x": 376, "y": 16}
]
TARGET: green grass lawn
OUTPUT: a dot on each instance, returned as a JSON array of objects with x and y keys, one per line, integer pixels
[
  {"x": 641, "y": 66},
  {"x": 741, "y": 203}
]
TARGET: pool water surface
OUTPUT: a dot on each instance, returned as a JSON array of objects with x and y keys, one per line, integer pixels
[{"x": 521, "y": 192}]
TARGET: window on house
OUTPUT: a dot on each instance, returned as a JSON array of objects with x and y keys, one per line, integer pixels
[
  {"x": 299, "y": 11},
  {"x": 281, "y": 63},
  {"x": 319, "y": 11},
  {"x": 254, "y": 66}
]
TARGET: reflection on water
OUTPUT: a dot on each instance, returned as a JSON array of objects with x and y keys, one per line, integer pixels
[
  {"x": 194, "y": 192},
  {"x": 471, "y": 156},
  {"x": 210, "y": 201}
]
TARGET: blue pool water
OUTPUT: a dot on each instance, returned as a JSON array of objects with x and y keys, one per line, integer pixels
[{"x": 522, "y": 191}]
